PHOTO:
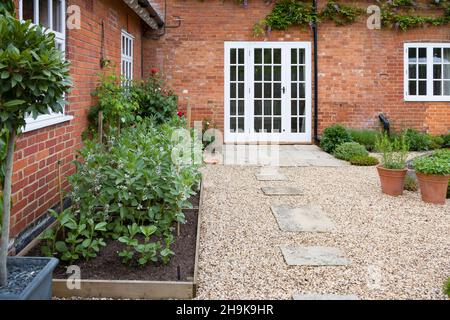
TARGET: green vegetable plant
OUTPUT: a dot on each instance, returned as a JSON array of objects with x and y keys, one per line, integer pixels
[
  {"x": 34, "y": 78},
  {"x": 349, "y": 150},
  {"x": 394, "y": 151},
  {"x": 436, "y": 164},
  {"x": 364, "y": 161}
]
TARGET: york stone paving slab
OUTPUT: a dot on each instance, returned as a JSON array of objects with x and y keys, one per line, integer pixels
[
  {"x": 313, "y": 256},
  {"x": 307, "y": 218},
  {"x": 281, "y": 191}
]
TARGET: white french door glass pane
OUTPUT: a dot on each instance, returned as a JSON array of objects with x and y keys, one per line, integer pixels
[
  {"x": 28, "y": 10},
  {"x": 446, "y": 88},
  {"x": 43, "y": 13},
  {"x": 446, "y": 55},
  {"x": 56, "y": 16},
  {"x": 298, "y": 90}
]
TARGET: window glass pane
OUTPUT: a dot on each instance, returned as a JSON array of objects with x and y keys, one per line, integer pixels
[
  {"x": 233, "y": 124},
  {"x": 233, "y": 90},
  {"x": 301, "y": 125},
  {"x": 277, "y": 124},
  {"x": 447, "y": 88},
  {"x": 241, "y": 73},
  {"x": 258, "y": 107},
  {"x": 57, "y": 19},
  {"x": 437, "y": 88},
  {"x": 241, "y": 90},
  {"x": 293, "y": 56},
  {"x": 412, "y": 88},
  {"x": 301, "y": 90},
  {"x": 240, "y": 124},
  {"x": 422, "y": 54},
  {"x": 437, "y": 55},
  {"x": 277, "y": 90},
  {"x": 301, "y": 55},
  {"x": 258, "y": 56},
  {"x": 447, "y": 55},
  {"x": 233, "y": 56},
  {"x": 258, "y": 73},
  {"x": 277, "y": 56},
  {"x": 446, "y": 71},
  {"x": 268, "y": 124},
  {"x": 267, "y": 73},
  {"x": 258, "y": 124},
  {"x": 43, "y": 13},
  {"x": 277, "y": 73},
  {"x": 293, "y": 73},
  {"x": 233, "y": 107},
  {"x": 267, "y": 107},
  {"x": 267, "y": 90},
  {"x": 412, "y": 55},
  {"x": 301, "y": 73},
  {"x": 241, "y": 107},
  {"x": 412, "y": 71},
  {"x": 422, "y": 88},
  {"x": 241, "y": 56},
  {"x": 258, "y": 90},
  {"x": 277, "y": 107},
  {"x": 267, "y": 56},
  {"x": 437, "y": 71},
  {"x": 233, "y": 73},
  {"x": 28, "y": 10},
  {"x": 294, "y": 107},
  {"x": 422, "y": 71},
  {"x": 294, "y": 124},
  {"x": 301, "y": 107},
  {"x": 293, "y": 90}
]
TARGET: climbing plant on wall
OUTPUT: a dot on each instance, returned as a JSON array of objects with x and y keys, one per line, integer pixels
[{"x": 401, "y": 14}]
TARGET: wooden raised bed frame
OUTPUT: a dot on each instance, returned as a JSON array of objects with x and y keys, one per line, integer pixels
[{"x": 130, "y": 289}]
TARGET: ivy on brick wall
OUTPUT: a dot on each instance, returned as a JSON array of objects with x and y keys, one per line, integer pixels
[{"x": 402, "y": 14}]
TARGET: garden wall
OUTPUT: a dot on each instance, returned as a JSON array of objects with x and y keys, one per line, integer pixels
[
  {"x": 360, "y": 70},
  {"x": 35, "y": 179}
]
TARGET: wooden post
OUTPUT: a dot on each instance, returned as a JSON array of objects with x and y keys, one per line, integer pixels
[{"x": 100, "y": 127}]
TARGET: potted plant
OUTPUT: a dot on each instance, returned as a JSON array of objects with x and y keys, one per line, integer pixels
[
  {"x": 392, "y": 169},
  {"x": 433, "y": 173},
  {"x": 34, "y": 78}
]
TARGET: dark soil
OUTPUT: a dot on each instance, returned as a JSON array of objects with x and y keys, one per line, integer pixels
[{"x": 108, "y": 265}]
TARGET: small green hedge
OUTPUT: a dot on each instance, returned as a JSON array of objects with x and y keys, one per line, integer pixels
[
  {"x": 334, "y": 136},
  {"x": 364, "y": 161},
  {"x": 365, "y": 137},
  {"x": 349, "y": 150}
]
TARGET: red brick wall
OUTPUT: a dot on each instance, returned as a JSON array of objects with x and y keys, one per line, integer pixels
[
  {"x": 35, "y": 184},
  {"x": 360, "y": 70}
]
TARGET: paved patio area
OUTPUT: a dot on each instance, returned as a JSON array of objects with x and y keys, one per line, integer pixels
[{"x": 278, "y": 155}]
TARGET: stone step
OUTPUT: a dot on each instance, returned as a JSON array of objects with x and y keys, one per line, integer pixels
[
  {"x": 301, "y": 296},
  {"x": 307, "y": 218},
  {"x": 281, "y": 191},
  {"x": 313, "y": 256}
]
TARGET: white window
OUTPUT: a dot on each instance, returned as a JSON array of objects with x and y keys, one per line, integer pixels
[
  {"x": 126, "y": 61},
  {"x": 52, "y": 15},
  {"x": 427, "y": 71}
]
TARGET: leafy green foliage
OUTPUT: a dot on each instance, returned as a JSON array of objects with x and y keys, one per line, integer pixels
[
  {"x": 446, "y": 138},
  {"x": 348, "y": 150},
  {"x": 436, "y": 164},
  {"x": 411, "y": 184},
  {"x": 447, "y": 287},
  {"x": 365, "y": 137},
  {"x": 417, "y": 141},
  {"x": 436, "y": 142},
  {"x": 340, "y": 14},
  {"x": 395, "y": 151},
  {"x": 365, "y": 161},
  {"x": 154, "y": 99},
  {"x": 288, "y": 13},
  {"x": 334, "y": 136},
  {"x": 129, "y": 190}
]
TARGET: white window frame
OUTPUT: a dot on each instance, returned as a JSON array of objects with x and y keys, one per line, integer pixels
[
  {"x": 430, "y": 96},
  {"x": 126, "y": 56},
  {"x": 46, "y": 120}
]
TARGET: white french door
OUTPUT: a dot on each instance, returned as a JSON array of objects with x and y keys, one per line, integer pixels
[{"x": 267, "y": 92}]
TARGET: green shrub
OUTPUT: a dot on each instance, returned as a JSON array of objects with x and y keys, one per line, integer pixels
[
  {"x": 411, "y": 184},
  {"x": 364, "y": 161},
  {"x": 155, "y": 99},
  {"x": 437, "y": 142},
  {"x": 334, "y": 136},
  {"x": 395, "y": 151},
  {"x": 437, "y": 164},
  {"x": 417, "y": 141},
  {"x": 446, "y": 138},
  {"x": 348, "y": 150},
  {"x": 365, "y": 137},
  {"x": 131, "y": 190},
  {"x": 447, "y": 287}
]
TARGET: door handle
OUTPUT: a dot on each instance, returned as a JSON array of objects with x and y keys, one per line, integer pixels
[{"x": 284, "y": 90}]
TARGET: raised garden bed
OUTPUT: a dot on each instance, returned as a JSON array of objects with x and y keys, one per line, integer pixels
[{"x": 107, "y": 277}]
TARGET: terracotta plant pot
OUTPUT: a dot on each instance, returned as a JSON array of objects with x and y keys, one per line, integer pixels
[
  {"x": 392, "y": 180},
  {"x": 433, "y": 188}
]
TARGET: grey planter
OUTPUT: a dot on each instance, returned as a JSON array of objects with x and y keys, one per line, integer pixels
[{"x": 40, "y": 288}]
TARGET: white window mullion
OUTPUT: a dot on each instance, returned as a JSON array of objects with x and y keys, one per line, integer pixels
[
  {"x": 430, "y": 71},
  {"x": 36, "y": 11}
]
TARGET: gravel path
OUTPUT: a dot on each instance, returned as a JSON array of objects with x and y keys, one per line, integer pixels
[{"x": 399, "y": 248}]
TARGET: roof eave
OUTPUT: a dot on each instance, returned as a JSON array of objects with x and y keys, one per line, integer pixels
[{"x": 146, "y": 12}]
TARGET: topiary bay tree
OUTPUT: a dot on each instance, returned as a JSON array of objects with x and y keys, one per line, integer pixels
[{"x": 33, "y": 80}]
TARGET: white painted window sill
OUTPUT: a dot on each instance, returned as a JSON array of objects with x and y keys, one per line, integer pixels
[{"x": 36, "y": 125}]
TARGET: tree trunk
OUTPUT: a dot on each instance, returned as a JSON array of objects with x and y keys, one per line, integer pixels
[{"x": 6, "y": 208}]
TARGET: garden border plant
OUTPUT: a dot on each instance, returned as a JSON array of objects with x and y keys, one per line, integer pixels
[{"x": 35, "y": 78}]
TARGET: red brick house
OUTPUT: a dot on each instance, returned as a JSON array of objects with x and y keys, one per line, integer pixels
[{"x": 244, "y": 85}]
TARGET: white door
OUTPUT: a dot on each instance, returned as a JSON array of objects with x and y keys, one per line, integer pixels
[{"x": 267, "y": 92}]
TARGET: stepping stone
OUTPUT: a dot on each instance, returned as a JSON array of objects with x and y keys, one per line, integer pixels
[
  {"x": 301, "y": 296},
  {"x": 302, "y": 219},
  {"x": 270, "y": 177},
  {"x": 313, "y": 256},
  {"x": 281, "y": 191}
]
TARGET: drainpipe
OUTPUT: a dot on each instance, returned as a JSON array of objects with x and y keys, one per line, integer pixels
[{"x": 316, "y": 80}]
